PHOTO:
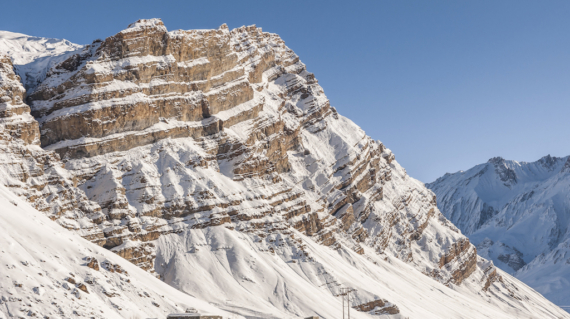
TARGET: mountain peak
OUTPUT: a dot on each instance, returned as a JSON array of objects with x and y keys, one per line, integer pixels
[
  {"x": 224, "y": 27},
  {"x": 141, "y": 24},
  {"x": 497, "y": 160},
  {"x": 505, "y": 173},
  {"x": 549, "y": 161},
  {"x": 566, "y": 167},
  {"x": 34, "y": 56}
]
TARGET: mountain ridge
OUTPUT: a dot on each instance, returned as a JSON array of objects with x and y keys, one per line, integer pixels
[
  {"x": 216, "y": 151},
  {"x": 33, "y": 56}
]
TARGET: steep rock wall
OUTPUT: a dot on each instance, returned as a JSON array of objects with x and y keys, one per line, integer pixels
[
  {"x": 34, "y": 173},
  {"x": 255, "y": 116}
]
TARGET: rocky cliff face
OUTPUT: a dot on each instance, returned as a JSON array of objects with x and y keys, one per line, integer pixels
[
  {"x": 15, "y": 114},
  {"x": 517, "y": 215},
  {"x": 264, "y": 143},
  {"x": 32, "y": 172},
  {"x": 213, "y": 158}
]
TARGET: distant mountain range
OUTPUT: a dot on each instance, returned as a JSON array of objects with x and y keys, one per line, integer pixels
[{"x": 518, "y": 215}]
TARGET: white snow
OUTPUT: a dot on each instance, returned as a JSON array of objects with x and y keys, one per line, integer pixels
[
  {"x": 37, "y": 256},
  {"x": 34, "y": 56},
  {"x": 230, "y": 270},
  {"x": 518, "y": 214},
  {"x": 143, "y": 24}
]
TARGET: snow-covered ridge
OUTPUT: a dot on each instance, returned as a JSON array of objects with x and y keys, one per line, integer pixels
[
  {"x": 48, "y": 271},
  {"x": 34, "y": 56},
  {"x": 518, "y": 215}
]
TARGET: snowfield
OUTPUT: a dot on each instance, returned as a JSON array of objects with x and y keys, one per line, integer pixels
[{"x": 236, "y": 277}]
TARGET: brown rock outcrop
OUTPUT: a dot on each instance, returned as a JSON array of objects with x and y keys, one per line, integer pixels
[
  {"x": 466, "y": 255},
  {"x": 378, "y": 307},
  {"x": 93, "y": 263},
  {"x": 83, "y": 288},
  {"x": 15, "y": 118}
]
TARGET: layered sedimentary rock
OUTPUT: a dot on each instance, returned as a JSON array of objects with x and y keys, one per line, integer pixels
[
  {"x": 255, "y": 118},
  {"x": 15, "y": 117},
  {"x": 175, "y": 141},
  {"x": 34, "y": 173}
]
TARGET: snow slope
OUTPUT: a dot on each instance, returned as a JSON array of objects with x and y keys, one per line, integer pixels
[
  {"x": 34, "y": 56},
  {"x": 231, "y": 272},
  {"x": 518, "y": 215},
  {"x": 38, "y": 256}
]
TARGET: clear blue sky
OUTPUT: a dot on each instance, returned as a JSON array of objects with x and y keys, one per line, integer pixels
[{"x": 444, "y": 84}]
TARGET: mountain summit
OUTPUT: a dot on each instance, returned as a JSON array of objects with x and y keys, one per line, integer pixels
[{"x": 214, "y": 160}]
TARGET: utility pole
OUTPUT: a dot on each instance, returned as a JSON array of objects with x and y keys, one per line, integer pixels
[
  {"x": 342, "y": 296},
  {"x": 345, "y": 292},
  {"x": 348, "y": 302}
]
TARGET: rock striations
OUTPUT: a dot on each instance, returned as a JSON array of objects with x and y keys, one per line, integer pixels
[
  {"x": 15, "y": 114},
  {"x": 267, "y": 153},
  {"x": 213, "y": 159},
  {"x": 27, "y": 169}
]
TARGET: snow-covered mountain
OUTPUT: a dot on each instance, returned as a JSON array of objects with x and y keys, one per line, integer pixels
[
  {"x": 213, "y": 160},
  {"x": 518, "y": 215},
  {"x": 34, "y": 56}
]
